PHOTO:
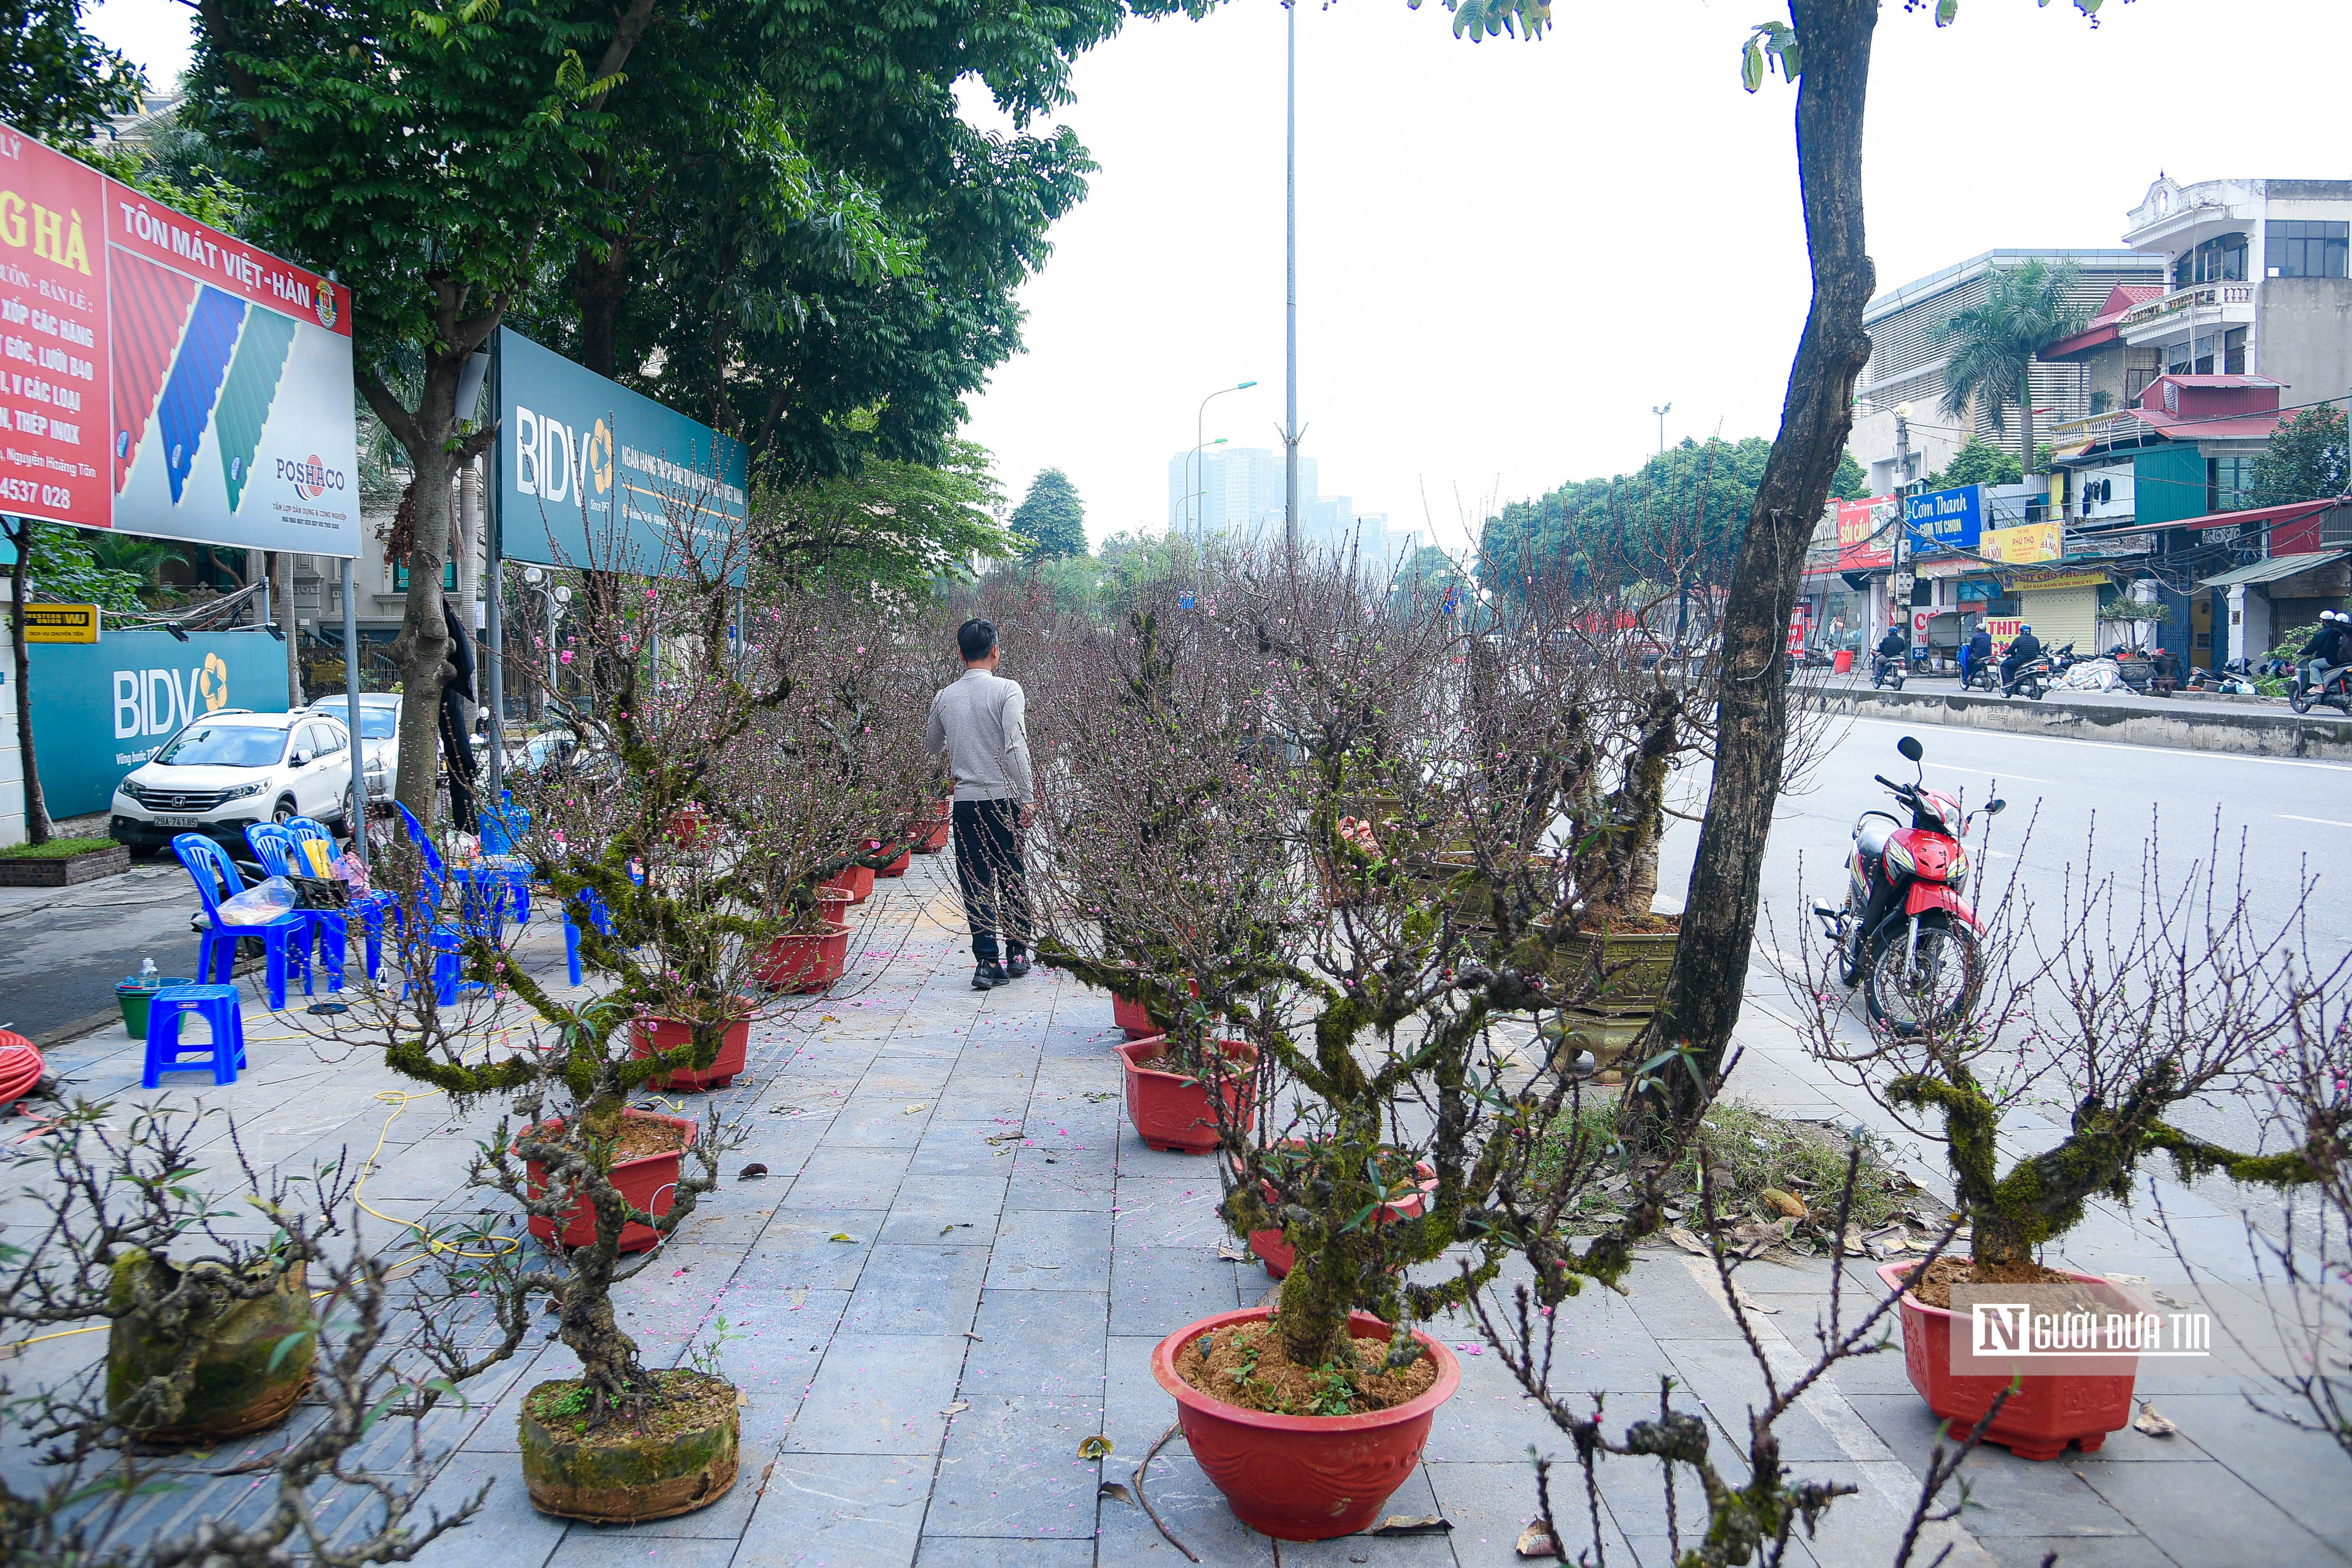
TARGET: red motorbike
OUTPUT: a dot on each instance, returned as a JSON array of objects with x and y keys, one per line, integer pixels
[{"x": 1905, "y": 935}]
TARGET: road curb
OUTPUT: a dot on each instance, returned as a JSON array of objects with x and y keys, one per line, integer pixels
[{"x": 2244, "y": 735}]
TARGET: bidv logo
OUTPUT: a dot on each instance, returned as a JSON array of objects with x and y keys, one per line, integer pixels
[
  {"x": 158, "y": 701},
  {"x": 310, "y": 476},
  {"x": 557, "y": 463}
]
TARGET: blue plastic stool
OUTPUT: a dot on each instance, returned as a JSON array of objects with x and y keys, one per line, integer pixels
[{"x": 217, "y": 1006}]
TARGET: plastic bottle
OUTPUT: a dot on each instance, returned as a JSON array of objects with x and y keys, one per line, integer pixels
[{"x": 149, "y": 979}]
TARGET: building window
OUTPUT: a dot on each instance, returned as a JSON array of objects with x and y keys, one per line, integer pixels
[
  {"x": 2221, "y": 260},
  {"x": 2204, "y": 359},
  {"x": 2299, "y": 248},
  {"x": 2229, "y": 483},
  {"x": 2141, "y": 366},
  {"x": 2176, "y": 359},
  {"x": 448, "y": 578},
  {"x": 2233, "y": 352}
]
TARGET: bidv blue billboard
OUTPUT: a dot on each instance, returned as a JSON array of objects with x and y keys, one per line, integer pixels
[
  {"x": 1945, "y": 519},
  {"x": 591, "y": 474},
  {"x": 100, "y": 709}
]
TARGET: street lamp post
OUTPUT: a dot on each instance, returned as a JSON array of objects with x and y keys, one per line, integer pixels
[
  {"x": 1200, "y": 442},
  {"x": 1662, "y": 410}
]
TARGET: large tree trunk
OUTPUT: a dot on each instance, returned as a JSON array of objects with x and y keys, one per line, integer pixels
[
  {"x": 37, "y": 810},
  {"x": 423, "y": 644},
  {"x": 2025, "y": 419},
  {"x": 1710, "y": 972}
]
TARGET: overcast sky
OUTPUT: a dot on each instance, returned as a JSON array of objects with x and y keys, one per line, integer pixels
[{"x": 1510, "y": 252}]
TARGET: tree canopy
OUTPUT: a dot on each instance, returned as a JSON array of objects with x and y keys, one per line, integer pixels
[
  {"x": 1680, "y": 514},
  {"x": 2305, "y": 460},
  {"x": 58, "y": 82},
  {"x": 1977, "y": 464},
  {"x": 1051, "y": 517},
  {"x": 892, "y": 527}
]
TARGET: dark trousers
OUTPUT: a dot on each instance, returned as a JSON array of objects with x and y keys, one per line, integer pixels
[
  {"x": 457, "y": 755},
  {"x": 996, "y": 884}
]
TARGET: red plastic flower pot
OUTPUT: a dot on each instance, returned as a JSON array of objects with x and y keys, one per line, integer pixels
[
  {"x": 1279, "y": 1255},
  {"x": 1303, "y": 1478},
  {"x": 1172, "y": 1110},
  {"x": 937, "y": 840},
  {"x": 2045, "y": 1414},
  {"x": 834, "y": 904},
  {"x": 688, "y": 827},
  {"x": 649, "y": 1182},
  {"x": 858, "y": 882},
  {"x": 653, "y": 1036},
  {"x": 897, "y": 867},
  {"x": 804, "y": 963},
  {"x": 1135, "y": 1018}
]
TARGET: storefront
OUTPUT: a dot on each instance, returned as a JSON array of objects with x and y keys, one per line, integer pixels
[{"x": 2063, "y": 608}]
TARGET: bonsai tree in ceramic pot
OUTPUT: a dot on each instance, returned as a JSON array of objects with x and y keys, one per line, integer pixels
[
  {"x": 2141, "y": 1001},
  {"x": 1383, "y": 1106},
  {"x": 130, "y": 1198}
]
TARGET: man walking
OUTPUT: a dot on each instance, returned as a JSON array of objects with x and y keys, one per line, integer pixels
[{"x": 982, "y": 723}]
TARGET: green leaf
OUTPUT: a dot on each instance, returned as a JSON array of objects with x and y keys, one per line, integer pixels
[
  {"x": 1752, "y": 66},
  {"x": 286, "y": 1346},
  {"x": 1947, "y": 10}
]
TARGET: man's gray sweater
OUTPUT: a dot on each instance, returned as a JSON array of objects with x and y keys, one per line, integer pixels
[{"x": 981, "y": 723}]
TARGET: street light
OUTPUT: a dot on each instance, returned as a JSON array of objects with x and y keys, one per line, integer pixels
[
  {"x": 1200, "y": 433},
  {"x": 1662, "y": 411}
]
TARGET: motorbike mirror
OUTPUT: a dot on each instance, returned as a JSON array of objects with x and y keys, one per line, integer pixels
[
  {"x": 1996, "y": 807},
  {"x": 1911, "y": 749}
]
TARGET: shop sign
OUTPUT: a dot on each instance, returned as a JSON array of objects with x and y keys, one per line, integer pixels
[
  {"x": 1864, "y": 533},
  {"x": 2003, "y": 630},
  {"x": 1947, "y": 519},
  {"x": 61, "y": 622},
  {"x": 2025, "y": 545},
  {"x": 2064, "y": 580},
  {"x": 165, "y": 378}
]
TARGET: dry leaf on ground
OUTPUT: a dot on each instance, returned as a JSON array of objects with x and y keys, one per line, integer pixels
[
  {"x": 1535, "y": 1540},
  {"x": 2154, "y": 1424},
  {"x": 1681, "y": 1236},
  {"x": 1411, "y": 1524},
  {"x": 957, "y": 1408},
  {"x": 1095, "y": 1447}
]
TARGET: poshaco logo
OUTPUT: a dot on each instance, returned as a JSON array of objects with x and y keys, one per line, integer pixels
[
  {"x": 310, "y": 477},
  {"x": 556, "y": 461},
  {"x": 158, "y": 701}
]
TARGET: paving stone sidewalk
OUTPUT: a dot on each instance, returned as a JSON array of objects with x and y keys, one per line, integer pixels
[{"x": 918, "y": 1392}]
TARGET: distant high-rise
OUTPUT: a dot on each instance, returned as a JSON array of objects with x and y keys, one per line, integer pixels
[{"x": 1240, "y": 493}]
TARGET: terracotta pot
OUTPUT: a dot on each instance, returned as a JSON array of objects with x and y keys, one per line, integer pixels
[
  {"x": 858, "y": 882},
  {"x": 1303, "y": 1478},
  {"x": 649, "y": 1182},
  {"x": 897, "y": 867},
  {"x": 242, "y": 1383},
  {"x": 2047, "y": 1412},
  {"x": 805, "y": 962},
  {"x": 834, "y": 904},
  {"x": 1279, "y": 1255},
  {"x": 621, "y": 1480},
  {"x": 1172, "y": 1112},
  {"x": 653, "y": 1036},
  {"x": 688, "y": 827}
]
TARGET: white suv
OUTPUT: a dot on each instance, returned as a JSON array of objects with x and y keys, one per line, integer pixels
[{"x": 231, "y": 767}]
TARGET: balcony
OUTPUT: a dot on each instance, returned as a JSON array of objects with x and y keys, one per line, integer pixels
[{"x": 2205, "y": 303}]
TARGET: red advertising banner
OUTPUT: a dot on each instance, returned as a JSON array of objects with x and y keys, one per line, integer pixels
[
  {"x": 1801, "y": 620},
  {"x": 159, "y": 376},
  {"x": 1865, "y": 533}
]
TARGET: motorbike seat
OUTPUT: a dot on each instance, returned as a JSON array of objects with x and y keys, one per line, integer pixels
[{"x": 1871, "y": 832}]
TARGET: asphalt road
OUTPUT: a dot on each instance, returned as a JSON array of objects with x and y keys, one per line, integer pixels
[
  {"x": 2292, "y": 820},
  {"x": 59, "y": 959}
]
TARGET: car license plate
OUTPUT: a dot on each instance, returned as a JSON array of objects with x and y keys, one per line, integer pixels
[{"x": 175, "y": 822}]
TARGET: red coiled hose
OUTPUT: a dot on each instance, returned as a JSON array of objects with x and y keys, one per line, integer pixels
[{"x": 20, "y": 1067}]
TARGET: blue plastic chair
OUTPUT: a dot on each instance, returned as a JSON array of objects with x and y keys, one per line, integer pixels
[
  {"x": 481, "y": 907},
  {"x": 368, "y": 908},
  {"x": 328, "y": 936},
  {"x": 598, "y": 913},
  {"x": 220, "y": 1007},
  {"x": 216, "y": 876}
]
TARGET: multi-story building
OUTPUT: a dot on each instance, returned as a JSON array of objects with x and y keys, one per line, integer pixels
[
  {"x": 1239, "y": 491},
  {"x": 1906, "y": 363}
]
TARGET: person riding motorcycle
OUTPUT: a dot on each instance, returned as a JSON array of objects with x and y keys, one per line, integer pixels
[
  {"x": 2325, "y": 653},
  {"x": 1975, "y": 653},
  {"x": 1892, "y": 646},
  {"x": 2023, "y": 649}
]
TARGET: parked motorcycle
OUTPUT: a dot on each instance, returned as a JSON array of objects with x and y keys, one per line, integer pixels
[{"x": 1905, "y": 935}]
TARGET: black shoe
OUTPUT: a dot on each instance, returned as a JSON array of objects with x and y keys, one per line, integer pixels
[
  {"x": 1016, "y": 965},
  {"x": 988, "y": 976}
]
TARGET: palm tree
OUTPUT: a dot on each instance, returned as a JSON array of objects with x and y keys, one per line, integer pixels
[{"x": 1991, "y": 344}]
